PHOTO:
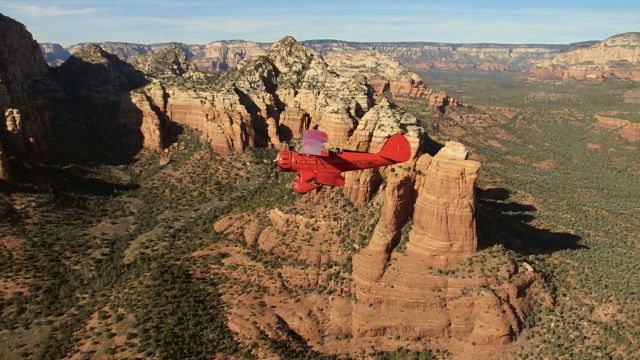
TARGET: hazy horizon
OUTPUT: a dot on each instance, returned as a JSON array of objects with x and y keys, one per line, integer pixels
[{"x": 69, "y": 22}]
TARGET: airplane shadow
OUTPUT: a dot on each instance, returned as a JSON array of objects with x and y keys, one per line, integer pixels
[{"x": 503, "y": 221}]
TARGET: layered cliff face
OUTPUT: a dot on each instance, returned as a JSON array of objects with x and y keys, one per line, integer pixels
[
  {"x": 407, "y": 291},
  {"x": 24, "y": 119},
  {"x": 214, "y": 56},
  {"x": 383, "y": 72},
  {"x": 273, "y": 98},
  {"x": 370, "y": 134},
  {"x": 105, "y": 100},
  {"x": 54, "y": 54},
  {"x": 444, "y": 225},
  {"x": 432, "y": 285},
  {"x": 224, "y": 55},
  {"x": 418, "y": 282},
  {"x": 440, "y": 56},
  {"x": 617, "y": 57}
]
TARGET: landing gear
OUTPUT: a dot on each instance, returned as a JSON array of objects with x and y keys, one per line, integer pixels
[{"x": 302, "y": 187}]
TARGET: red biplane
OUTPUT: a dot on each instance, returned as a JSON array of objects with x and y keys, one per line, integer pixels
[{"x": 316, "y": 166}]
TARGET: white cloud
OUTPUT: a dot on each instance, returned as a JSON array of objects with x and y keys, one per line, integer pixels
[{"x": 35, "y": 11}]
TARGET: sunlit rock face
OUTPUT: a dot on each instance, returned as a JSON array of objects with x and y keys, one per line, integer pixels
[
  {"x": 444, "y": 225},
  {"x": 617, "y": 57}
]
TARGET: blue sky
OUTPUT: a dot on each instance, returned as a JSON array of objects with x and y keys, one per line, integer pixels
[{"x": 198, "y": 21}]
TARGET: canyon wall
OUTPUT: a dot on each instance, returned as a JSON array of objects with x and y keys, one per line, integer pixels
[
  {"x": 273, "y": 98},
  {"x": 54, "y": 54},
  {"x": 24, "y": 119},
  {"x": 617, "y": 57},
  {"x": 224, "y": 55}
]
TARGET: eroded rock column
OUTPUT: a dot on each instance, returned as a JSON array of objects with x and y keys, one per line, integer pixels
[{"x": 444, "y": 226}]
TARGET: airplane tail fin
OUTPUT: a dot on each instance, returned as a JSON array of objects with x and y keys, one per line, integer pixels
[{"x": 396, "y": 149}]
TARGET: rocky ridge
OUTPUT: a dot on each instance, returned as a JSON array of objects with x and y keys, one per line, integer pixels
[
  {"x": 223, "y": 55},
  {"x": 627, "y": 130},
  {"x": 385, "y": 74},
  {"x": 617, "y": 57},
  {"x": 169, "y": 61},
  {"x": 54, "y": 54},
  {"x": 442, "y": 56},
  {"x": 103, "y": 89},
  {"x": 214, "y": 56},
  {"x": 24, "y": 117},
  {"x": 272, "y": 99}
]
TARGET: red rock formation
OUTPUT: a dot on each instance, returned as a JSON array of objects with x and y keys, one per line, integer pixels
[
  {"x": 404, "y": 289},
  {"x": 405, "y": 295},
  {"x": 408, "y": 87},
  {"x": 397, "y": 208},
  {"x": 584, "y": 72},
  {"x": 614, "y": 58},
  {"x": 360, "y": 186},
  {"x": 5, "y": 169},
  {"x": 276, "y": 97},
  {"x": 25, "y": 120},
  {"x": 443, "y": 65},
  {"x": 444, "y": 222},
  {"x": 224, "y": 122},
  {"x": 272, "y": 129},
  {"x": 439, "y": 100},
  {"x": 293, "y": 122},
  {"x": 379, "y": 86},
  {"x": 271, "y": 99},
  {"x": 373, "y": 129},
  {"x": 136, "y": 111},
  {"x": 628, "y": 131}
]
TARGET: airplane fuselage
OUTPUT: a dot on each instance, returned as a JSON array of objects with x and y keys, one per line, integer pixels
[{"x": 325, "y": 168}]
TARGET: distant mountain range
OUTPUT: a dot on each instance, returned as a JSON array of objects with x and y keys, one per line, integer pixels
[
  {"x": 615, "y": 57},
  {"x": 222, "y": 55}
]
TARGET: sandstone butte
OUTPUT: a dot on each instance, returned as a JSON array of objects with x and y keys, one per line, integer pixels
[
  {"x": 422, "y": 288},
  {"x": 617, "y": 57},
  {"x": 274, "y": 98}
]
